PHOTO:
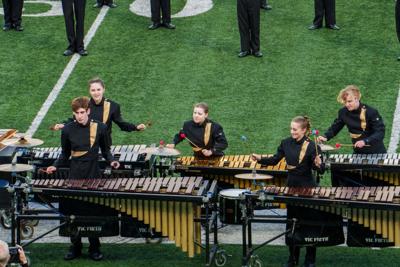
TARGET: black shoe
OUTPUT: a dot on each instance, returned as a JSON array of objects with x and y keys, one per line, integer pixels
[
  {"x": 96, "y": 255},
  {"x": 313, "y": 27},
  {"x": 19, "y": 28},
  {"x": 334, "y": 27},
  {"x": 289, "y": 264},
  {"x": 258, "y": 54},
  {"x": 243, "y": 54},
  {"x": 97, "y": 5},
  {"x": 83, "y": 52},
  {"x": 169, "y": 26},
  {"x": 266, "y": 7},
  {"x": 112, "y": 5},
  {"x": 6, "y": 28},
  {"x": 154, "y": 26},
  {"x": 309, "y": 264},
  {"x": 68, "y": 53},
  {"x": 72, "y": 254}
]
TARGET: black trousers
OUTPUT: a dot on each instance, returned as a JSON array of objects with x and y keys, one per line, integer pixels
[
  {"x": 94, "y": 243},
  {"x": 165, "y": 6},
  {"x": 12, "y": 12},
  {"x": 397, "y": 11},
  {"x": 74, "y": 16},
  {"x": 324, "y": 8},
  {"x": 248, "y": 12},
  {"x": 294, "y": 254}
]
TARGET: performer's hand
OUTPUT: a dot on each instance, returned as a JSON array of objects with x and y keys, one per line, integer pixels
[
  {"x": 57, "y": 127},
  {"x": 115, "y": 164},
  {"x": 50, "y": 169},
  {"x": 21, "y": 255},
  {"x": 360, "y": 144},
  {"x": 255, "y": 157},
  {"x": 322, "y": 138},
  {"x": 141, "y": 127},
  {"x": 170, "y": 145},
  {"x": 318, "y": 161},
  {"x": 206, "y": 152}
]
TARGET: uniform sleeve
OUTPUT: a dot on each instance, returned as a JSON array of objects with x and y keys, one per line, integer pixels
[
  {"x": 177, "y": 138},
  {"x": 105, "y": 146},
  {"x": 377, "y": 127},
  {"x": 63, "y": 159},
  {"x": 220, "y": 142},
  {"x": 275, "y": 158},
  {"x": 123, "y": 125},
  {"x": 320, "y": 169},
  {"x": 335, "y": 128}
]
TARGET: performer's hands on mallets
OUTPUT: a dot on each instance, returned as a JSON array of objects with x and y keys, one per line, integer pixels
[
  {"x": 141, "y": 127},
  {"x": 318, "y": 161},
  {"x": 50, "y": 169},
  {"x": 115, "y": 164},
  {"x": 57, "y": 127},
  {"x": 206, "y": 152},
  {"x": 322, "y": 138},
  {"x": 360, "y": 144},
  {"x": 255, "y": 157}
]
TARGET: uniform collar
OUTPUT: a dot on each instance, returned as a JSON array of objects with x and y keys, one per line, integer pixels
[
  {"x": 94, "y": 102},
  {"x": 301, "y": 140}
]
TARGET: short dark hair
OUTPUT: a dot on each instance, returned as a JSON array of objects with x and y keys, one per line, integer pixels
[{"x": 80, "y": 102}]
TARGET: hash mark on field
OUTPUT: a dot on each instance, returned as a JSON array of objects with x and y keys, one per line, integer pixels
[
  {"x": 65, "y": 75},
  {"x": 394, "y": 137}
]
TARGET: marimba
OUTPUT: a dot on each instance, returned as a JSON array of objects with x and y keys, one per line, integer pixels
[
  {"x": 132, "y": 162},
  {"x": 168, "y": 205},
  {"x": 225, "y": 168},
  {"x": 375, "y": 208},
  {"x": 365, "y": 169}
]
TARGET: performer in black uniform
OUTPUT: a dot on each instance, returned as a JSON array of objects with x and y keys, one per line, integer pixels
[
  {"x": 397, "y": 11},
  {"x": 12, "y": 15},
  {"x": 265, "y": 5},
  {"x": 364, "y": 123},
  {"x": 206, "y": 137},
  {"x": 105, "y": 110},
  {"x": 100, "y": 3},
  {"x": 324, "y": 8},
  {"x": 248, "y": 12},
  {"x": 301, "y": 158},
  {"x": 75, "y": 33},
  {"x": 81, "y": 140},
  {"x": 165, "y": 6}
]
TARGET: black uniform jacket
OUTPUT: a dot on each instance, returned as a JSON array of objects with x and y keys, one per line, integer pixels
[
  {"x": 371, "y": 129},
  {"x": 82, "y": 144},
  {"x": 195, "y": 133},
  {"x": 299, "y": 173}
]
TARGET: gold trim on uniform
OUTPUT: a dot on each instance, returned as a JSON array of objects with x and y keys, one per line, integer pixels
[
  {"x": 93, "y": 132},
  {"x": 363, "y": 118},
  {"x": 303, "y": 150},
  {"x": 106, "y": 110},
  {"x": 77, "y": 154},
  {"x": 355, "y": 136},
  {"x": 207, "y": 134}
]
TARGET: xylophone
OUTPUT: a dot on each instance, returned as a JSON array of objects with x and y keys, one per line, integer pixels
[
  {"x": 365, "y": 169},
  {"x": 377, "y": 209},
  {"x": 168, "y": 205},
  {"x": 225, "y": 168},
  {"x": 133, "y": 163}
]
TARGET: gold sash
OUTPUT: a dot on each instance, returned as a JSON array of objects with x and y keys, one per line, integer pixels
[
  {"x": 106, "y": 110},
  {"x": 363, "y": 120},
  {"x": 207, "y": 134},
  {"x": 301, "y": 155},
  {"x": 93, "y": 134}
]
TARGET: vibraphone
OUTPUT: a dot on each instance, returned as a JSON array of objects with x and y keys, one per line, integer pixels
[
  {"x": 168, "y": 205},
  {"x": 375, "y": 208},
  {"x": 365, "y": 169},
  {"x": 225, "y": 168},
  {"x": 133, "y": 163}
]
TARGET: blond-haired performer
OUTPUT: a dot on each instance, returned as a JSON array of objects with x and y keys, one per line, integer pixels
[{"x": 364, "y": 123}]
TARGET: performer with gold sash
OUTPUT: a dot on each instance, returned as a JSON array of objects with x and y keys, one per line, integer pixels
[
  {"x": 302, "y": 156},
  {"x": 364, "y": 123},
  {"x": 206, "y": 137},
  {"x": 105, "y": 110},
  {"x": 81, "y": 140}
]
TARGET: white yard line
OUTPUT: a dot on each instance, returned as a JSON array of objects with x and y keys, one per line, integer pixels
[
  {"x": 395, "y": 134},
  {"x": 65, "y": 75}
]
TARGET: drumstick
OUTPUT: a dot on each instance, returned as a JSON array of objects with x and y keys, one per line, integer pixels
[
  {"x": 315, "y": 132},
  {"x": 183, "y": 136},
  {"x": 338, "y": 145}
]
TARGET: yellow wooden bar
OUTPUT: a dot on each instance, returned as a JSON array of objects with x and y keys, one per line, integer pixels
[
  {"x": 123, "y": 205},
  {"x": 171, "y": 221},
  {"x": 158, "y": 216},
  {"x": 129, "y": 206},
  {"x": 164, "y": 217},
  {"x": 366, "y": 218},
  {"x": 177, "y": 223},
  {"x": 190, "y": 230},
  {"x": 134, "y": 208}
]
